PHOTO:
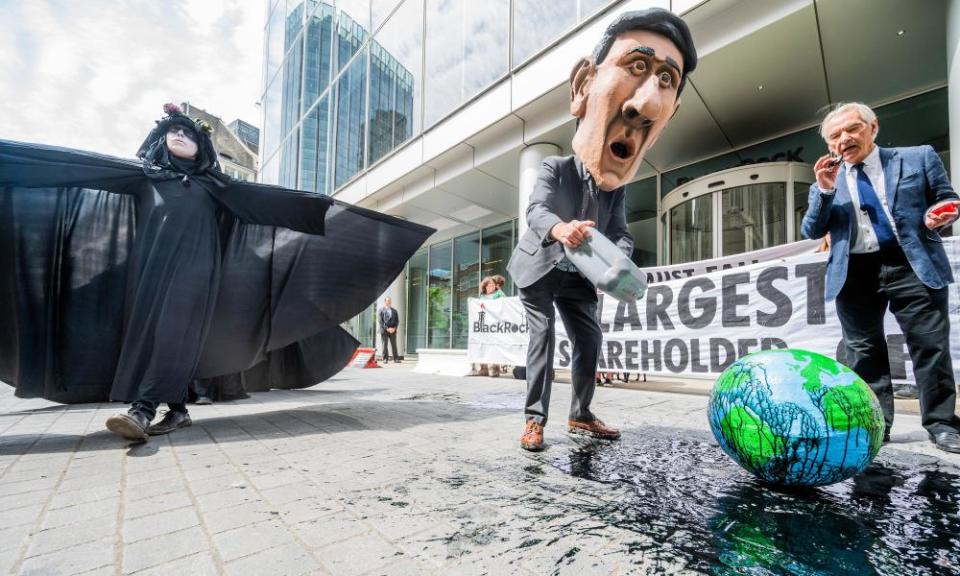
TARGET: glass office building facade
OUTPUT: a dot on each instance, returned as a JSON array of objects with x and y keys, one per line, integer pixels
[{"x": 347, "y": 83}]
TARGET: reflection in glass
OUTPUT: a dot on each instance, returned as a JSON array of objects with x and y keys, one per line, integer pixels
[
  {"x": 270, "y": 171},
  {"x": 288, "y": 161},
  {"x": 466, "y": 50},
  {"x": 640, "y": 201},
  {"x": 380, "y": 9},
  {"x": 273, "y": 49},
  {"x": 318, "y": 52},
  {"x": 367, "y": 326},
  {"x": 438, "y": 298},
  {"x": 495, "y": 250},
  {"x": 466, "y": 283},
  {"x": 801, "y": 194},
  {"x": 395, "y": 54},
  {"x": 315, "y": 151},
  {"x": 352, "y": 21},
  {"x": 663, "y": 241},
  {"x": 691, "y": 230},
  {"x": 753, "y": 217},
  {"x": 536, "y": 23},
  {"x": 351, "y": 99},
  {"x": 588, "y": 7},
  {"x": 290, "y": 79},
  {"x": 417, "y": 301},
  {"x": 271, "y": 121}
]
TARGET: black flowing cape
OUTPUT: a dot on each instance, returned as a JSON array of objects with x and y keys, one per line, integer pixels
[{"x": 290, "y": 267}]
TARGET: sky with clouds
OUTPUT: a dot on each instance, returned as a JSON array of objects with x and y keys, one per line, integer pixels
[{"x": 94, "y": 74}]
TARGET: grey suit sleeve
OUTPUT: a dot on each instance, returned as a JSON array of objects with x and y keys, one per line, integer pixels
[
  {"x": 816, "y": 222},
  {"x": 617, "y": 230},
  {"x": 938, "y": 185},
  {"x": 541, "y": 217}
]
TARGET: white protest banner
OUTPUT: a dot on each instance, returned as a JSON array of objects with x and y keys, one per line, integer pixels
[
  {"x": 498, "y": 331},
  {"x": 698, "y": 326},
  {"x": 690, "y": 269}
]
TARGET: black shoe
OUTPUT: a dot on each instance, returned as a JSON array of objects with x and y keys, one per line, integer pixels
[
  {"x": 947, "y": 441},
  {"x": 906, "y": 393},
  {"x": 886, "y": 437},
  {"x": 132, "y": 425},
  {"x": 172, "y": 420},
  {"x": 203, "y": 401}
]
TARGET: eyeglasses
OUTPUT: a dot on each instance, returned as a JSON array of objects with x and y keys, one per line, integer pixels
[{"x": 187, "y": 133}]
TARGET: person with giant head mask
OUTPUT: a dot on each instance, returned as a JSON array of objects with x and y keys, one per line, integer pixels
[{"x": 623, "y": 97}]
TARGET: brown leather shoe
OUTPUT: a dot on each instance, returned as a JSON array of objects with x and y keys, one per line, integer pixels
[
  {"x": 532, "y": 438},
  {"x": 594, "y": 429}
]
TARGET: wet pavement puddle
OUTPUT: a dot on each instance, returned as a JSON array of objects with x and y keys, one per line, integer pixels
[{"x": 693, "y": 509}]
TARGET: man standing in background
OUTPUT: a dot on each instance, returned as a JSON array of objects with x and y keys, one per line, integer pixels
[{"x": 389, "y": 321}]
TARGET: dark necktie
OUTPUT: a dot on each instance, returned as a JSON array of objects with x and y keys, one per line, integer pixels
[
  {"x": 870, "y": 203},
  {"x": 590, "y": 203}
]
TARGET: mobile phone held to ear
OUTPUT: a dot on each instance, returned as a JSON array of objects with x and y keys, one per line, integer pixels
[{"x": 944, "y": 210}]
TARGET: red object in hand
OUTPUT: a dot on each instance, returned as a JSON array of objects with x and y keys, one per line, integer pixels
[{"x": 944, "y": 210}]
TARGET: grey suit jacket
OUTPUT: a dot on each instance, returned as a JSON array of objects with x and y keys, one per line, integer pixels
[{"x": 557, "y": 197}]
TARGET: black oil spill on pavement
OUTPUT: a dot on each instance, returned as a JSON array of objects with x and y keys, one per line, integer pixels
[{"x": 692, "y": 509}]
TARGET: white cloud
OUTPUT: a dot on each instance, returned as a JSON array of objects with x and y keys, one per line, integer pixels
[{"x": 93, "y": 75}]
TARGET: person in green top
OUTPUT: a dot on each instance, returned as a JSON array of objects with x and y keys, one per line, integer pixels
[{"x": 491, "y": 289}]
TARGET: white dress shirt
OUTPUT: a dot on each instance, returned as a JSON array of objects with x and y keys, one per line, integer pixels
[{"x": 866, "y": 238}]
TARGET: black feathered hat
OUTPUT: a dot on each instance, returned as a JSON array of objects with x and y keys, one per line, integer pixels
[{"x": 154, "y": 152}]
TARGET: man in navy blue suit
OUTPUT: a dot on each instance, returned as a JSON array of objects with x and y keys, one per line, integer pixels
[{"x": 883, "y": 208}]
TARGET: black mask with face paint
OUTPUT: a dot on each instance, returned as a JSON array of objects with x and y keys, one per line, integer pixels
[{"x": 160, "y": 163}]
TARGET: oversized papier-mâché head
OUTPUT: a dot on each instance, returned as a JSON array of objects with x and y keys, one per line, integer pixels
[
  {"x": 179, "y": 143},
  {"x": 626, "y": 92}
]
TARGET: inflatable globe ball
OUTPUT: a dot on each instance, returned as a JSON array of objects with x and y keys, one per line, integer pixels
[{"x": 796, "y": 418}]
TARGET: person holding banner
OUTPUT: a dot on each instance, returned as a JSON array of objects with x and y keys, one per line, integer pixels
[
  {"x": 883, "y": 208},
  {"x": 623, "y": 97}
]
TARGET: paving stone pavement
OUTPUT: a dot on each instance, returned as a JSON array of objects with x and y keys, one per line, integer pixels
[{"x": 373, "y": 472}]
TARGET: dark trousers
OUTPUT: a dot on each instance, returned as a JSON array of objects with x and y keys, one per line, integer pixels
[
  {"x": 874, "y": 282},
  {"x": 576, "y": 300},
  {"x": 387, "y": 337},
  {"x": 150, "y": 408}
]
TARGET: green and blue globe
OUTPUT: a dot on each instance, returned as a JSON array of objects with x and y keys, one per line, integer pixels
[{"x": 796, "y": 418}]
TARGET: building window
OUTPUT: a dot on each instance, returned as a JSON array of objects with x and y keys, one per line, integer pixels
[
  {"x": 315, "y": 150},
  {"x": 495, "y": 251},
  {"x": 396, "y": 56},
  {"x": 352, "y": 21},
  {"x": 640, "y": 202},
  {"x": 691, "y": 230},
  {"x": 467, "y": 48},
  {"x": 439, "y": 296},
  {"x": 537, "y": 23},
  {"x": 318, "y": 53},
  {"x": 754, "y": 217},
  {"x": 801, "y": 195},
  {"x": 351, "y": 105},
  {"x": 466, "y": 283},
  {"x": 417, "y": 301},
  {"x": 288, "y": 160}
]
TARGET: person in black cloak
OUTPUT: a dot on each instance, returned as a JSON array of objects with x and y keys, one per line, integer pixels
[
  {"x": 177, "y": 267},
  {"x": 127, "y": 280}
]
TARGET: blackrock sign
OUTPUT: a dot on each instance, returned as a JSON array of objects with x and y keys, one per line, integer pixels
[{"x": 700, "y": 323}]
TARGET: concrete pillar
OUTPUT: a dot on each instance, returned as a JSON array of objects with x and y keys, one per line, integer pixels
[
  {"x": 398, "y": 293},
  {"x": 530, "y": 159},
  {"x": 953, "y": 92}
]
